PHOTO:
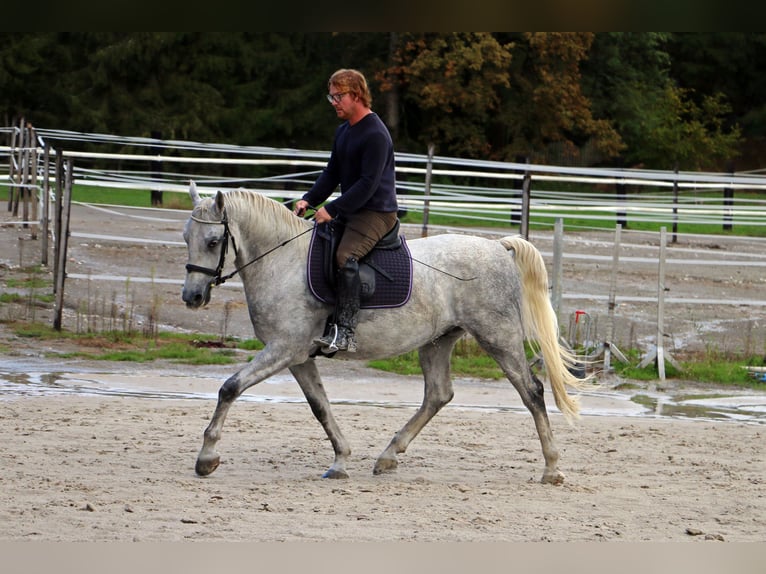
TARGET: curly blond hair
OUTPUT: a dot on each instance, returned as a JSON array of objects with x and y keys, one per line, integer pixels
[{"x": 352, "y": 81}]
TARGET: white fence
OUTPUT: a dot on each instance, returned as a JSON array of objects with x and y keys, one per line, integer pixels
[{"x": 516, "y": 196}]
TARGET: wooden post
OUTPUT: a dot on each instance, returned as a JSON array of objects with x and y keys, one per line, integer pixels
[
  {"x": 558, "y": 248},
  {"x": 17, "y": 191},
  {"x": 62, "y": 251},
  {"x": 427, "y": 192},
  {"x": 11, "y": 168},
  {"x": 33, "y": 196},
  {"x": 26, "y": 175},
  {"x": 661, "y": 307},
  {"x": 608, "y": 347},
  {"x": 728, "y": 202},
  {"x": 57, "y": 203},
  {"x": 525, "y": 197},
  {"x": 675, "y": 208},
  {"x": 45, "y": 221},
  {"x": 658, "y": 354},
  {"x": 622, "y": 216},
  {"x": 156, "y": 194}
]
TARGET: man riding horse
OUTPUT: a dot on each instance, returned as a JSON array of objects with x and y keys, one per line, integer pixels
[{"x": 362, "y": 163}]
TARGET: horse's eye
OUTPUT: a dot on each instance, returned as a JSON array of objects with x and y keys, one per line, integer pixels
[{"x": 212, "y": 242}]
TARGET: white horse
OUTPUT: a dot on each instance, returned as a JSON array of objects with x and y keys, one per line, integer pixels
[{"x": 495, "y": 290}]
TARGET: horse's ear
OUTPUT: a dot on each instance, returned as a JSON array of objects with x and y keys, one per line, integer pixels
[
  {"x": 193, "y": 193},
  {"x": 219, "y": 200}
]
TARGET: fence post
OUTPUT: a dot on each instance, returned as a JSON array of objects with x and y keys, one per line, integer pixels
[
  {"x": 525, "y": 197},
  {"x": 659, "y": 355},
  {"x": 728, "y": 201},
  {"x": 675, "y": 207},
  {"x": 607, "y": 348},
  {"x": 558, "y": 248},
  {"x": 11, "y": 168},
  {"x": 46, "y": 205},
  {"x": 622, "y": 216},
  {"x": 57, "y": 202},
  {"x": 33, "y": 197},
  {"x": 427, "y": 191},
  {"x": 62, "y": 247},
  {"x": 515, "y": 215},
  {"x": 157, "y": 169},
  {"x": 661, "y": 307},
  {"x": 18, "y": 190}
]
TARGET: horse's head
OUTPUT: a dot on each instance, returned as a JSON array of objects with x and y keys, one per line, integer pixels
[{"x": 206, "y": 234}]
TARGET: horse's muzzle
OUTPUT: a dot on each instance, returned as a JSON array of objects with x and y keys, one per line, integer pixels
[{"x": 196, "y": 297}]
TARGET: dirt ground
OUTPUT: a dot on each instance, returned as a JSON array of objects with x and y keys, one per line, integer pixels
[{"x": 90, "y": 467}]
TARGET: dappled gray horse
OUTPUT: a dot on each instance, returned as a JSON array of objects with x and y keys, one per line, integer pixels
[{"x": 494, "y": 290}]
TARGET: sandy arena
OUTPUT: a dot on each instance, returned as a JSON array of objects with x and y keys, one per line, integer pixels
[{"x": 99, "y": 451}]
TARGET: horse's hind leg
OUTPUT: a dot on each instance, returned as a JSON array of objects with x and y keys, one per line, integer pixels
[
  {"x": 310, "y": 382},
  {"x": 435, "y": 362},
  {"x": 513, "y": 362}
]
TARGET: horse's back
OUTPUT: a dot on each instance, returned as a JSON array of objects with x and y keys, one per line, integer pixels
[
  {"x": 452, "y": 254},
  {"x": 462, "y": 271}
]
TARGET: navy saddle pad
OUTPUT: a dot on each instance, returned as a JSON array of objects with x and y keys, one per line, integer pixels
[{"x": 386, "y": 273}]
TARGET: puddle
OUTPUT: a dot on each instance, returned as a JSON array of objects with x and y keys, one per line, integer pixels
[{"x": 737, "y": 405}]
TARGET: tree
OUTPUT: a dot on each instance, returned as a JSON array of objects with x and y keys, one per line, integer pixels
[
  {"x": 448, "y": 85},
  {"x": 545, "y": 106},
  {"x": 729, "y": 63},
  {"x": 663, "y": 126},
  {"x": 688, "y": 136}
]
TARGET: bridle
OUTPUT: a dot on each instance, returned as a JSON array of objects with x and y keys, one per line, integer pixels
[
  {"x": 218, "y": 279},
  {"x": 216, "y": 273}
]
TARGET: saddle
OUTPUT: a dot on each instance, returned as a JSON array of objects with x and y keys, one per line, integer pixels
[{"x": 385, "y": 272}]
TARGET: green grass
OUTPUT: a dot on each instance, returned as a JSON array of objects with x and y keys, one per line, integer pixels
[
  {"x": 129, "y": 197},
  {"x": 193, "y": 349},
  {"x": 28, "y": 283},
  {"x": 468, "y": 360}
]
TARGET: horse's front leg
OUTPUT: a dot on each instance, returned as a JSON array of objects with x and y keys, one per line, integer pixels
[
  {"x": 263, "y": 366},
  {"x": 310, "y": 382}
]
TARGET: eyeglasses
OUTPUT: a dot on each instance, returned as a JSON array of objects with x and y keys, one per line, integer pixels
[{"x": 336, "y": 98}]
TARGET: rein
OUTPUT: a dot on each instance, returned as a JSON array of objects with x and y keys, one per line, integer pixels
[{"x": 218, "y": 279}]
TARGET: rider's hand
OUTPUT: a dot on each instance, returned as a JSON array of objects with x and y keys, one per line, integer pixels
[
  {"x": 300, "y": 207},
  {"x": 321, "y": 216}
]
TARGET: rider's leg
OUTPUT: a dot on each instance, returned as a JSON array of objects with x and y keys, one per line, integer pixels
[
  {"x": 362, "y": 231},
  {"x": 349, "y": 285}
]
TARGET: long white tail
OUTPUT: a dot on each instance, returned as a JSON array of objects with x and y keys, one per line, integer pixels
[{"x": 541, "y": 325}]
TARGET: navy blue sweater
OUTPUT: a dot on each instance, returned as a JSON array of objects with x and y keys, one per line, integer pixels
[{"x": 362, "y": 163}]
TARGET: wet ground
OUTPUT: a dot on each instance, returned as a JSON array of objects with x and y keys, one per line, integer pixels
[{"x": 387, "y": 391}]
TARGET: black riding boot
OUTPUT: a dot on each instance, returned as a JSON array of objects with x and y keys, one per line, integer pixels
[{"x": 341, "y": 335}]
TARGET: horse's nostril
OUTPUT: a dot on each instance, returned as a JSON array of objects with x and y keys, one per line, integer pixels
[{"x": 192, "y": 299}]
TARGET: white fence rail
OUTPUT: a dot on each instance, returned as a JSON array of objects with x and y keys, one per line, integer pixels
[{"x": 484, "y": 194}]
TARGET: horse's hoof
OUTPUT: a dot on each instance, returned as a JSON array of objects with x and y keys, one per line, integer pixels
[
  {"x": 385, "y": 465},
  {"x": 555, "y": 478},
  {"x": 332, "y": 473},
  {"x": 207, "y": 466}
]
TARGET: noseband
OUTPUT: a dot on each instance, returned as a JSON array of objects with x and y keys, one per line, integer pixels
[{"x": 216, "y": 273}]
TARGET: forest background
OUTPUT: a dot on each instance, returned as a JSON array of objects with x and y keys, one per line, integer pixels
[{"x": 689, "y": 101}]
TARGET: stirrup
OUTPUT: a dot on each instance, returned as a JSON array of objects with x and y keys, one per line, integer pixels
[
  {"x": 338, "y": 339},
  {"x": 328, "y": 342}
]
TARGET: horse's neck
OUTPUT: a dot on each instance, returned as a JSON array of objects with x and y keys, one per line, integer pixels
[{"x": 258, "y": 232}]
